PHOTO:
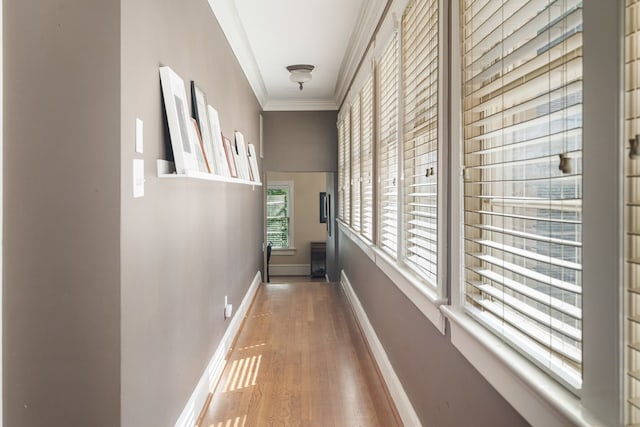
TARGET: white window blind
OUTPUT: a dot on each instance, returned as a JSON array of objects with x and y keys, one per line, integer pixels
[
  {"x": 366, "y": 172},
  {"x": 347, "y": 167},
  {"x": 341, "y": 169},
  {"x": 522, "y": 106},
  {"x": 420, "y": 77},
  {"x": 278, "y": 216},
  {"x": 632, "y": 131},
  {"x": 355, "y": 164},
  {"x": 388, "y": 149}
]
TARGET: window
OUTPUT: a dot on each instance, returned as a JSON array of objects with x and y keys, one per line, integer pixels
[
  {"x": 366, "y": 168},
  {"x": 420, "y": 76},
  {"x": 522, "y": 118},
  {"x": 632, "y": 129},
  {"x": 280, "y": 214},
  {"x": 388, "y": 149}
]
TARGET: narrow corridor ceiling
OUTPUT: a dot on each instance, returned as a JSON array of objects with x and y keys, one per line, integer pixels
[{"x": 266, "y": 36}]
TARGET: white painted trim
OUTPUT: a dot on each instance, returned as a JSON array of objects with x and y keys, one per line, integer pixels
[
  {"x": 1, "y": 201},
  {"x": 399, "y": 396},
  {"x": 539, "y": 399},
  {"x": 289, "y": 269},
  {"x": 300, "y": 105},
  {"x": 363, "y": 244},
  {"x": 283, "y": 252},
  {"x": 424, "y": 298},
  {"x": 285, "y": 185},
  {"x": 370, "y": 14},
  {"x": 228, "y": 17},
  {"x": 214, "y": 369}
]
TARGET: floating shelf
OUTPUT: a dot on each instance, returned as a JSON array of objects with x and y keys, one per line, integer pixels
[{"x": 166, "y": 170}]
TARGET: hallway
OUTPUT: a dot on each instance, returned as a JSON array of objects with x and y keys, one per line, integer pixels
[{"x": 300, "y": 359}]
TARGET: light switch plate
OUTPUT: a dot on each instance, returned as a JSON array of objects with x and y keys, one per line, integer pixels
[
  {"x": 138, "y": 178},
  {"x": 139, "y": 136}
]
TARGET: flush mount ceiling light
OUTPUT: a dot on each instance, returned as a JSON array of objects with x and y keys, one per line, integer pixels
[{"x": 300, "y": 73}]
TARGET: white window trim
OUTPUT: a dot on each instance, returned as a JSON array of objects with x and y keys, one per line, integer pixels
[
  {"x": 538, "y": 398},
  {"x": 412, "y": 286},
  {"x": 286, "y": 185},
  {"x": 533, "y": 393},
  {"x": 283, "y": 252}
]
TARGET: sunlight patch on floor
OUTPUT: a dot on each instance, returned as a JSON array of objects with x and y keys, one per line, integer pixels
[
  {"x": 231, "y": 422},
  {"x": 244, "y": 373}
]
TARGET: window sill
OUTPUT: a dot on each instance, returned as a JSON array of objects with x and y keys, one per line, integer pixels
[
  {"x": 538, "y": 398},
  {"x": 425, "y": 299},
  {"x": 283, "y": 252}
]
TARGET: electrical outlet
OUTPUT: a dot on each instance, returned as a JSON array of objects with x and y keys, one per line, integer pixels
[{"x": 228, "y": 308}]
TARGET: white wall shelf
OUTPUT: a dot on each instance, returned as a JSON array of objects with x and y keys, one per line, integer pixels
[{"x": 166, "y": 170}]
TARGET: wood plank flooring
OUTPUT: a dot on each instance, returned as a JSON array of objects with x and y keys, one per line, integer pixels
[{"x": 300, "y": 360}]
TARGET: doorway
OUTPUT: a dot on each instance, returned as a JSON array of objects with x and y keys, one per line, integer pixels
[{"x": 297, "y": 225}]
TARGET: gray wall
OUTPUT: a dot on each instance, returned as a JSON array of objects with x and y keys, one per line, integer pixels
[
  {"x": 445, "y": 390},
  {"x": 300, "y": 141},
  {"x": 61, "y": 293},
  {"x": 187, "y": 243},
  {"x": 112, "y": 307}
]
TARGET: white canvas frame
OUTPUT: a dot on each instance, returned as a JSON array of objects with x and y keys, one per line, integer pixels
[
  {"x": 182, "y": 138},
  {"x": 222, "y": 167},
  {"x": 241, "y": 157},
  {"x": 253, "y": 163},
  {"x": 200, "y": 113}
]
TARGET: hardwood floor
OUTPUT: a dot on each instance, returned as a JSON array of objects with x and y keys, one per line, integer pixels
[{"x": 300, "y": 360}]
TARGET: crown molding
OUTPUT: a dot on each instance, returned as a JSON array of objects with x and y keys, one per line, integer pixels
[
  {"x": 370, "y": 15},
  {"x": 227, "y": 15},
  {"x": 300, "y": 105}
]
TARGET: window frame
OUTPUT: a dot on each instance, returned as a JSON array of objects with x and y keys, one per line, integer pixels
[
  {"x": 532, "y": 392},
  {"x": 381, "y": 206},
  {"x": 289, "y": 187},
  {"x": 439, "y": 287},
  {"x": 529, "y": 390},
  {"x": 426, "y": 298}
]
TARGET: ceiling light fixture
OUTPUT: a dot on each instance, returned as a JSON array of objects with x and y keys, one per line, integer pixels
[{"x": 300, "y": 73}]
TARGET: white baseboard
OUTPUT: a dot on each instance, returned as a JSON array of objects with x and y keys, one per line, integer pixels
[
  {"x": 215, "y": 367},
  {"x": 400, "y": 398},
  {"x": 289, "y": 269}
]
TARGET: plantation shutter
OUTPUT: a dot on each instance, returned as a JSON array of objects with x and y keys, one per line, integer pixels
[
  {"x": 366, "y": 98},
  {"x": 420, "y": 77},
  {"x": 632, "y": 191},
  {"x": 388, "y": 149},
  {"x": 355, "y": 164},
  {"x": 522, "y": 106}
]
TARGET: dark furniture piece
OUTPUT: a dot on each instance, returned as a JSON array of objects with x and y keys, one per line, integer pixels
[{"x": 318, "y": 259}]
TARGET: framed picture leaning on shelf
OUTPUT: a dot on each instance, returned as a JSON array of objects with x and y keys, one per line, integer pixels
[
  {"x": 201, "y": 114},
  {"x": 183, "y": 142},
  {"x": 222, "y": 167},
  {"x": 231, "y": 157},
  {"x": 203, "y": 165}
]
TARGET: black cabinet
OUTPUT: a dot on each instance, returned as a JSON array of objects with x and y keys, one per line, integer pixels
[{"x": 318, "y": 259}]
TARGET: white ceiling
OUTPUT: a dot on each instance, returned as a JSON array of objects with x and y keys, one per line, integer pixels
[{"x": 268, "y": 35}]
